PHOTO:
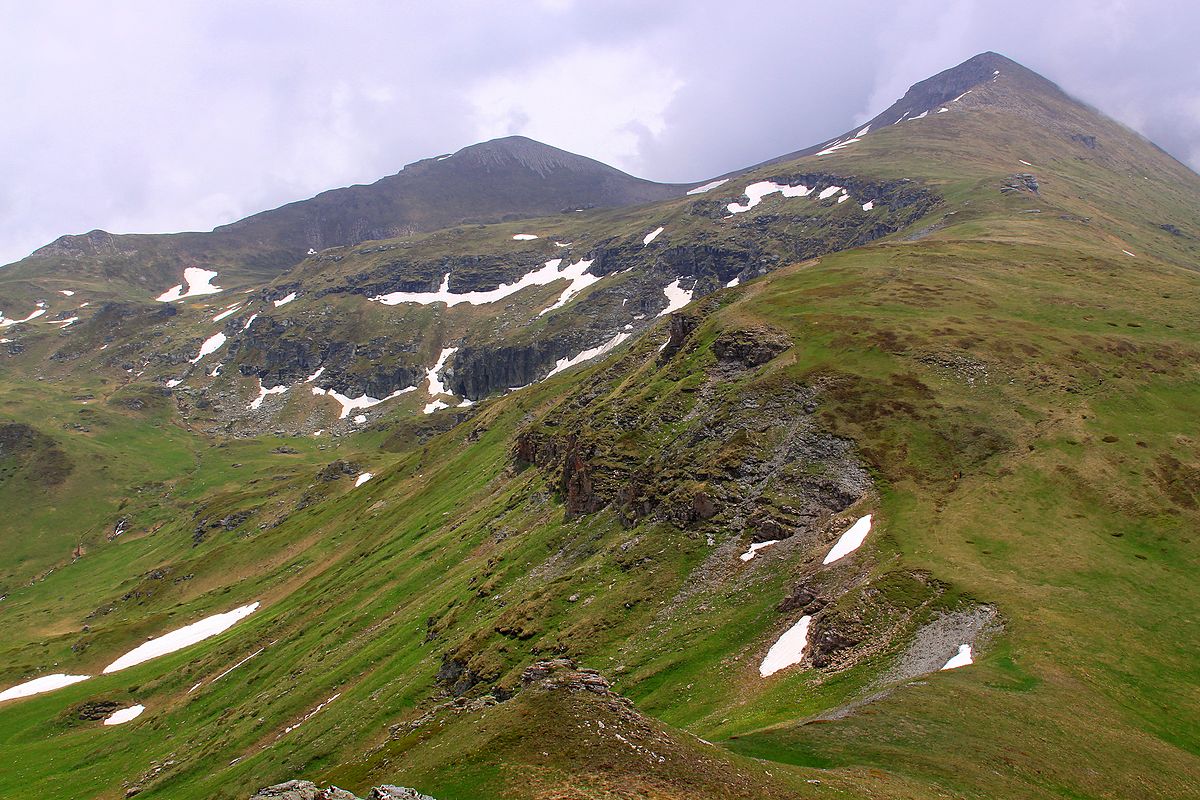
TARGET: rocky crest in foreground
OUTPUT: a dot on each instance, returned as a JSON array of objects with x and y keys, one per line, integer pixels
[{"x": 307, "y": 790}]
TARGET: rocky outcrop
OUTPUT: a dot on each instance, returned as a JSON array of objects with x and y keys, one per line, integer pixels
[
  {"x": 565, "y": 674},
  {"x": 1020, "y": 182},
  {"x": 750, "y": 347},
  {"x": 307, "y": 790}
]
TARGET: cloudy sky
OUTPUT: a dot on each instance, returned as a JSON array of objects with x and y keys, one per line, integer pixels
[{"x": 180, "y": 115}]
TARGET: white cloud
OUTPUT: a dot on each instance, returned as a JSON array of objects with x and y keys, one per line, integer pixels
[{"x": 597, "y": 101}]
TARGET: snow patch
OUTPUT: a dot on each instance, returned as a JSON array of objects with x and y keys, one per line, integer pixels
[
  {"x": 676, "y": 298},
  {"x": 436, "y": 386},
  {"x": 850, "y": 541},
  {"x": 229, "y": 312},
  {"x": 311, "y": 714},
  {"x": 315, "y": 375},
  {"x": 867, "y": 206},
  {"x": 788, "y": 650},
  {"x": 198, "y": 281},
  {"x": 736, "y": 280},
  {"x": 961, "y": 96},
  {"x": 587, "y": 355},
  {"x": 363, "y": 478},
  {"x": 580, "y": 279},
  {"x": 755, "y": 193},
  {"x": 863, "y": 132},
  {"x": 828, "y": 192},
  {"x": 943, "y": 110},
  {"x": 960, "y": 659},
  {"x": 755, "y": 547},
  {"x": 183, "y": 637},
  {"x": 708, "y": 186},
  {"x": 264, "y": 391},
  {"x": 355, "y": 403},
  {"x": 1023, "y": 161},
  {"x": 524, "y": 237},
  {"x": 124, "y": 715},
  {"x": 46, "y": 683},
  {"x": 360, "y": 419},
  {"x": 231, "y": 669},
  {"x": 435, "y": 405},
  {"x": 651, "y": 236},
  {"x": 833, "y": 148},
  {"x": 547, "y": 273},
  {"x": 283, "y": 301},
  {"x": 4, "y": 323},
  {"x": 171, "y": 384},
  {"x": 211, "y": 345},
  {"x": 249, "y": 322},
  {"x": 1126, "y": 252},
  {"x": 66, "y": 292}
]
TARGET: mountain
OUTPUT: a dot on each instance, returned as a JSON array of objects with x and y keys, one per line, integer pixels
[
  {"x": 503, "y": 179},
  {"x": 868, "y": 471}
]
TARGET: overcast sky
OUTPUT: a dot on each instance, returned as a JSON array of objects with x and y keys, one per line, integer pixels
[{"x": 179, "y": 115}]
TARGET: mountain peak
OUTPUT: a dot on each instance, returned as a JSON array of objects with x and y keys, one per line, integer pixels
[{"x": 531, "y": 154}]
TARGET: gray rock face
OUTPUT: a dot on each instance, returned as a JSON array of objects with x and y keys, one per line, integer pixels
[{"x": 307, "y": 790}]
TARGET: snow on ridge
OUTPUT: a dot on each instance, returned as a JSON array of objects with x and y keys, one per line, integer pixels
[
  {"x": 46, "y": 683},
  {"x": 198, "y": 282},
  {"x": 651, "y": 236},
  {"x": 182, "y": 637},
  {"x": 283, "y": 301},
  {"x": 755, "y": 547},
  {"x": 124, "y": 715},
  {"x": 850, "y": 541},
  {"x": 788, "y": 650},
  {"x": 547, "y": 273},
  {"x": 211, "y": 345},
  {"x": 755, "y": 193},
  {"x": 708, "y": 186},
  {"x": 960, "y": 659},
  {"x": 263, "y": 391},
  {"x": 587, "y": 355},
  {"x": 676, "y": 298}
]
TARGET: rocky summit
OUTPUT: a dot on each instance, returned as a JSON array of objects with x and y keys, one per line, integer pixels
[{"x": 870, "y": 470}]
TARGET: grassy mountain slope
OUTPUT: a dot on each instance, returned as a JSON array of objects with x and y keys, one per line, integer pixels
[{"x": 1007, "y": 391}]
